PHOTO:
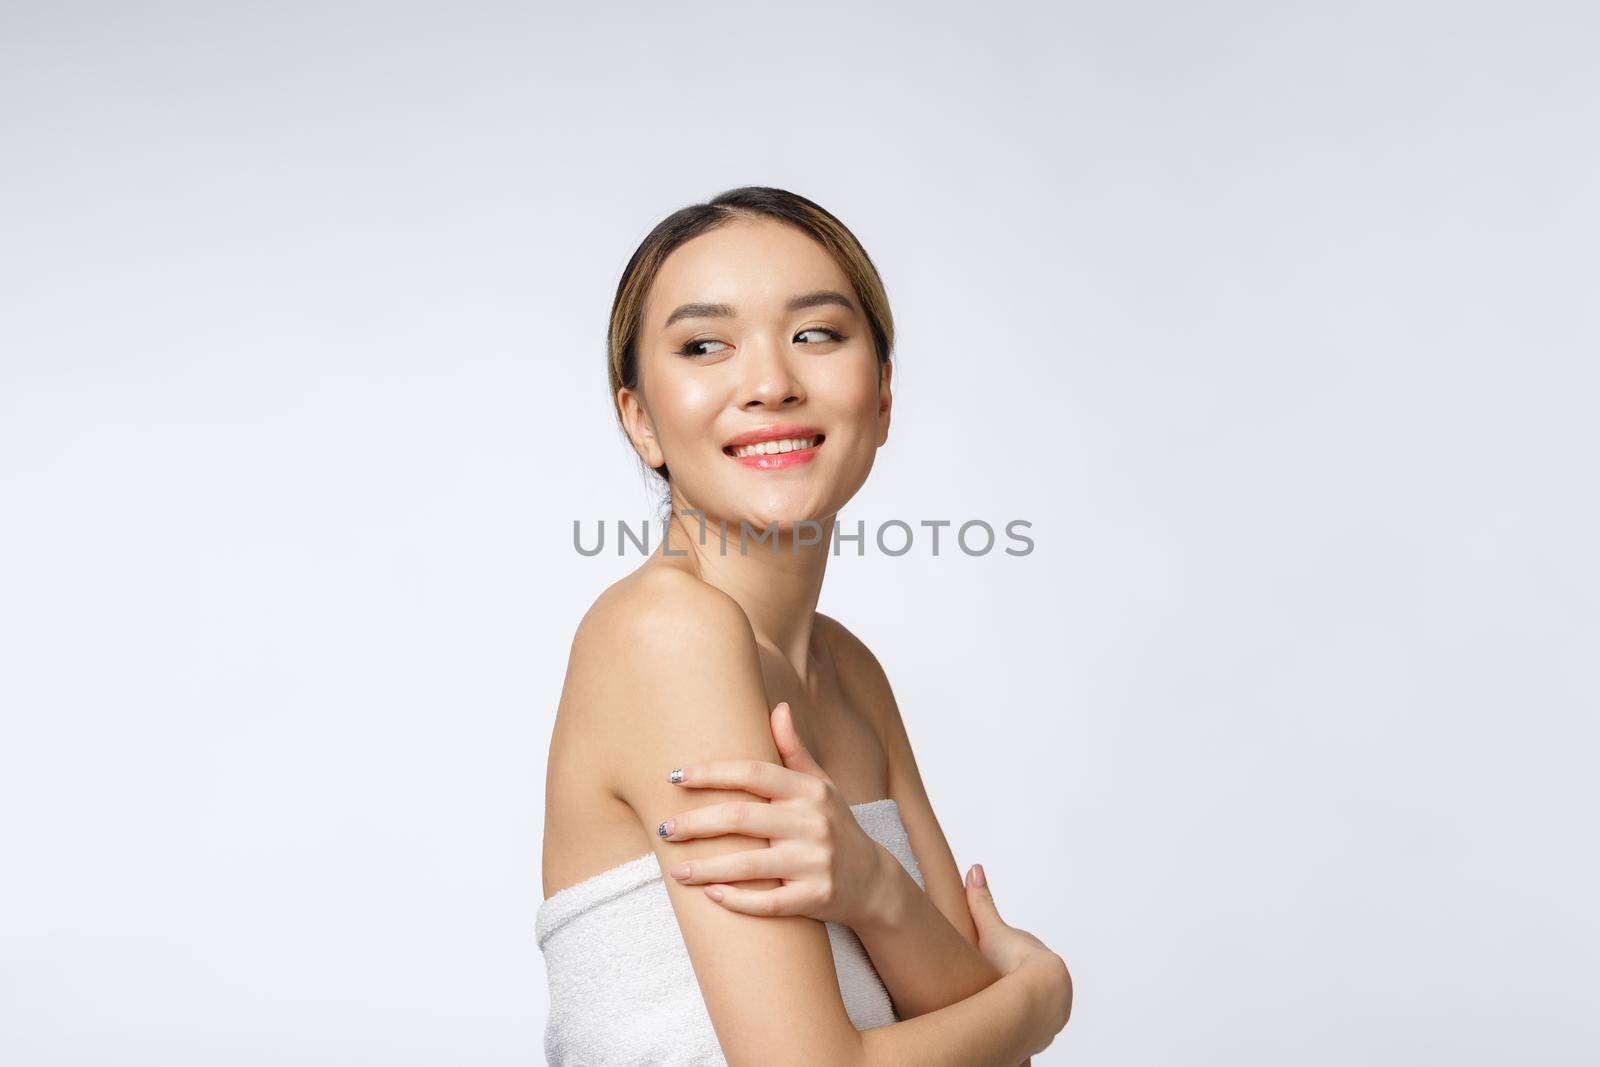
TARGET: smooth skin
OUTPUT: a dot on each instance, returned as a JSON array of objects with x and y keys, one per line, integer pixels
[
  {"x": 829, "y": 868},
  {"x": 677, "y": 665},
  {"x": 832, "y": 871}
]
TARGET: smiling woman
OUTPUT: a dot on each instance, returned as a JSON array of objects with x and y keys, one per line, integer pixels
[
  {"x": 750, "y": 346},
  {"x": 701, "y": 309}
]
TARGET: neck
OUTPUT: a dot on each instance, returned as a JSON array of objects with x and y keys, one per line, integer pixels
[{"x": 777, "y": 581}]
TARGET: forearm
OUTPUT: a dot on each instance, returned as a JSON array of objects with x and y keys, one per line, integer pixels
[
  {"x": 999, "y": 1026},
  {"x": 924, "y": 962}
]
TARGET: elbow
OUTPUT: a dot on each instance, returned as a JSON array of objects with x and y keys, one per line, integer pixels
[
  {"x": 874, "y": 1049},
  {"x": 1063, "y": 998}
]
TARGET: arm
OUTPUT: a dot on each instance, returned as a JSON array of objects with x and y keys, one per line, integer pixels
[
  {"x": 924, "y": 944},
  {"x": 675, "y": 674}
]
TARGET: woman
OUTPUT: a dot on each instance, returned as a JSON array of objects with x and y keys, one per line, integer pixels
[{"x": 724, "y": 885}]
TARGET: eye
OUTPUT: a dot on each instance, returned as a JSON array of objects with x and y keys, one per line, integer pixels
[
  {"x": 828, "y": 335},
  {"x": 692, "y": 348}
]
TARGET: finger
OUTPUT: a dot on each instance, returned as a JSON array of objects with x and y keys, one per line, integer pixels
[
  {"x": 794, "y": 752},
  {"x": 980, "y": 900},
  {"x": 768, "y": 903},
  {"x": 753, "y": 776},
  {"x": 770, "y": 862},
  {"x": 749, "y": 818}
]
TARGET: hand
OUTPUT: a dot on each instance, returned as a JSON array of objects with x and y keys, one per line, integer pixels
[
  {"x": 1011, "y": 949},
  {"x": 831, "y": 870}
]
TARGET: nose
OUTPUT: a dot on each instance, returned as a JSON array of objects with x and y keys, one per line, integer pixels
[{"x": 769, "y": 376}]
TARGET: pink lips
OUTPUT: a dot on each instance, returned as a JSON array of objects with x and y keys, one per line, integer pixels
[{"x": 780, "y": 461}]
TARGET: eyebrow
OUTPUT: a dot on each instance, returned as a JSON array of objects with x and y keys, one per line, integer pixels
[{"x": 725, "y": 311}]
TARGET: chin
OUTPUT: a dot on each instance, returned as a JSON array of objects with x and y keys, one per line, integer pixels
[
  {"x": 786, "y": 518},
  {"x": 783, "y": 505}
]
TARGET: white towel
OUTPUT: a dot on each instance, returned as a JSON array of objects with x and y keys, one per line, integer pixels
[{"x": 622, "y": 989}]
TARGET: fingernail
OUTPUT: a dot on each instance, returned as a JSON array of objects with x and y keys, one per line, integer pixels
[
  {"x": 675, "y": 776},
  {"x": 977, "y": 876},
  {"x": 714, "y": 892},
  {"x": 665, "y": 829},
  {"x": 680, "y": 871}
]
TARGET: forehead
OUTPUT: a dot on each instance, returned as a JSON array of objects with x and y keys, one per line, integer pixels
[{"x": 754, "y": 265}]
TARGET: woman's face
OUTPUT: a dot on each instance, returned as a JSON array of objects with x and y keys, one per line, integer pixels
[{"x": 751, "y": 331}]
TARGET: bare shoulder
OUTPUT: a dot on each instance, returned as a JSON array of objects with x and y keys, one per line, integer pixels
[
  {"x": 652, "y": 648},
  {"x": 665, "y": 672},
  {"x": 860, "y": 673},
  {"x": 867, "y": 686},
  {"x": 651, "y": 610},
  {"x": 842, "y": 639},
  {"x": 652, "y": 660}
]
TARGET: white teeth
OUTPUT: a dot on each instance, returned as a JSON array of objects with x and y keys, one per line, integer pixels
[{"x": 773, "y": 448}]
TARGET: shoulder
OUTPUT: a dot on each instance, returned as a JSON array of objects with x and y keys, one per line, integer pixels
[
  {"x": 654, "y": 612},
  {"x": 859, "y": 670},
  {"x": 669, "y": 673},
  {"x": 664, "y": 668},
  {"x": 849, "y": 650},
  {"x": 860, "y": 673}
]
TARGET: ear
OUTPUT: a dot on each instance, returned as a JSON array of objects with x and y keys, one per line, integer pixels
[
  {"x": 636, "y": 421},
  {"x": 885, "y": 401}
]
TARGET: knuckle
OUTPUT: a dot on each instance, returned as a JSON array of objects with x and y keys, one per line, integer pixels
[
  {"x": 738, "y": 814},
  {"x": 817, "y": 827}
]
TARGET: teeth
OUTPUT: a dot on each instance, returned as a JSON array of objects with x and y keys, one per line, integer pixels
[{"x": 773, "y": 448}]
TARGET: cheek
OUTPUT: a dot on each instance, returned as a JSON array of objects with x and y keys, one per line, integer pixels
[
  {"x": 855, "y": 395},
  {"x": 685, "y": 406}
]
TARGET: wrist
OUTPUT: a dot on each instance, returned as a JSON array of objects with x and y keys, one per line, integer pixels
[{"x": 888, "y": 903}]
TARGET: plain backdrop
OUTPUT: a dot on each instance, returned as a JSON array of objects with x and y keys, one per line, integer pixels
[{"x": 1277, "y": 321}]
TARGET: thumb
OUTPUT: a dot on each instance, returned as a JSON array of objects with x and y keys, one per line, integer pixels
[
  {"x": 980, "y": 901},
  {"x": 794, "y": 753}
]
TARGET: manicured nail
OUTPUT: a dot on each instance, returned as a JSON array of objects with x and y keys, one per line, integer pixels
[
  {"x": 665, "y": 829},
  {"x": 675, "y": 776},
  {"x": 714, "y": 892},
  {"x": 977, "y": 876},
  {"x": 680, "y": 871}
]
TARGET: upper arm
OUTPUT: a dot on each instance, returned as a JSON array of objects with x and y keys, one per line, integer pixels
[
  {"x": 941, "y": 877},
  {"x": 677, "y": 671}
]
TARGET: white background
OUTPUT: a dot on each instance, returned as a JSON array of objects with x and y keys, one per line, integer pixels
[{"x": 1278, "y": 321}]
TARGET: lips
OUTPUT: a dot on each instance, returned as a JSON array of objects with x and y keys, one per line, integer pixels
[
  {"x": 777, "y": 432},
  {"x": 773, "y": 448}
]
